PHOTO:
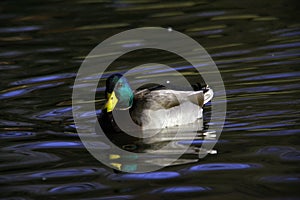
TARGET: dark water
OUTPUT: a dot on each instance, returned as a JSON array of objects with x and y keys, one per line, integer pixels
[{"x": 256, "y": 46}]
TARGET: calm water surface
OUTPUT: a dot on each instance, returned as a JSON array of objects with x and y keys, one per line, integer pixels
[{"x": 256, "y": 46}]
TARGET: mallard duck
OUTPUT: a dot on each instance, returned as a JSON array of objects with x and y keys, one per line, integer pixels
[{"x": 153, "y": 107}]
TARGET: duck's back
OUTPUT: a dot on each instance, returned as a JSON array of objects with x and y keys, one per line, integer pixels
[{"x": 166, "y": 108}]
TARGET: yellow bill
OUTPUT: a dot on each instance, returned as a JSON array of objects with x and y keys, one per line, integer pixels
[{"x": 112, "y": 101}]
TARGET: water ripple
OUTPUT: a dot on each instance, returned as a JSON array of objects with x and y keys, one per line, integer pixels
[
  {"x": 76, "y": 188},
  {"x": 281, "y": 179},
  {"x": 283, "y": 132},
  {"x": 20, "y": 92},
  {"x": 25, "y": 158},
  {"x": 44, "y": 79},
  {"x": 272, "y": 76},
  {"x": 48, "y": 189},
  {"x": 112, "y": 197},
  {"x": 14, "y": 123},
  {"x": 280, "y": 46},
  {"x": 146, "y": 176},
  {"x": 47, "y": 145},
  {"x": 221, "y": 167},
  {"x": 16, "y": 134},
  {"x": 55, "y": 114},
  {"x": 291, "y": 156},
  {"x": 53, "y": 174},
  {"x": 180, "y": 189},
  {"x": 274, "y": 150},
  {"x": 19, "y": 29},
  {"x": 290, "y": 34}
]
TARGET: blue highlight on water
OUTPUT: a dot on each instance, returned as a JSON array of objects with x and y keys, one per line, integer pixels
[
  {"x": 77, "y": 188},
  {"x": 180, "y": 189},
  {"x": 145, "y": 176},
  {"x": 221, "y": 167}
]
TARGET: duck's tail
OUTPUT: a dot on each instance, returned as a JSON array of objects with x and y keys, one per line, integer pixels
[
  {"x": 201, "y": 97},
  {"x": 207, "y": 91},
  {"x": 208, "y": 94}
]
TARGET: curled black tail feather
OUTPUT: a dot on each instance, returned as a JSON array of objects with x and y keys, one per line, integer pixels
[{"x": 199, "y": 86}]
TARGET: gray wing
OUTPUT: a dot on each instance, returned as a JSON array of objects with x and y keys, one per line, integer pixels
[{"x": 166, "y": 99}]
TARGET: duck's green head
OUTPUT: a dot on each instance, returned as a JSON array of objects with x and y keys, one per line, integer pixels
[{"x": 118, "y": 93}]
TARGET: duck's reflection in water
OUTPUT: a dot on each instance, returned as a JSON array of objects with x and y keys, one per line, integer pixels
[{"x": 167, "y": 147}]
